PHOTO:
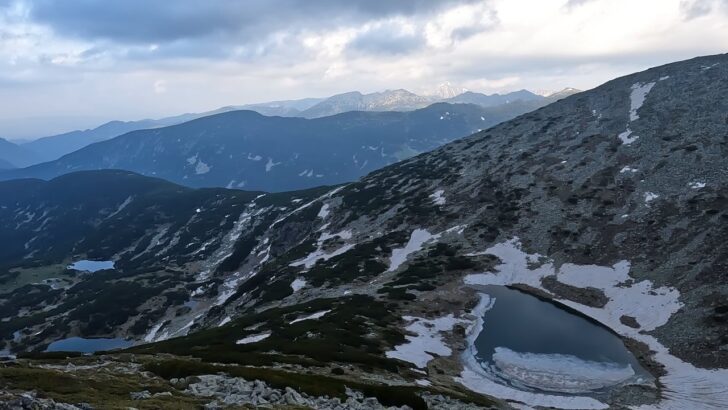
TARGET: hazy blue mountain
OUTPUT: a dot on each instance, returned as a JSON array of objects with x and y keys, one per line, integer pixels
[
  {"x": 486, "y": 100},
  {"x": 390, "y": 100},
  {"x": 288, "y": 108},
  {"x": 6, "y": 165},
  {"x": 53, "y": 147},
  {"x": 56, "y": 146},
  {"x": 243, "y": 149},
  {"x": 15, "y": 156}
]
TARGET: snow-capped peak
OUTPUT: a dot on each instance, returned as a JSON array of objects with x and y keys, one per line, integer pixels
[{"x": 447, "y": 90}]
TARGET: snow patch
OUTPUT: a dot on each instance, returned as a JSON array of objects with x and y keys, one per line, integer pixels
[
  {"x": 153, "y": 332},
  {"x": 324, "y": 212},
  {"x": 253, "y": 338},
  {"x": 270, "y": 164},
  {"x": 317, "y": 315},
  {"x": 696, "y": 185},
  {"x": 637, "y": 98},
  {"x": 626, "y": 137},
  {"x": 418, "y": 238},
  {"x": 650, "y": 196},
  {"x": 438, "y": 198},
  {"x": 428, "y": 339},
  {"x": 319, "y": 253},
  {"x": 627, "y": 169},
  {"x": 298, "y": 284},
  {"x": 201, "y": 168}
]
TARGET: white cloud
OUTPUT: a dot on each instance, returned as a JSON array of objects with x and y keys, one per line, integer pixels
[
  {"x": 491, "y": 45},
  {"x": 160, "y": 87}
]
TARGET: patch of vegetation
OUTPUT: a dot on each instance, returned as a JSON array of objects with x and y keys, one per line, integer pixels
[
  {"x": 357, "y": 330},
  {"x": 315, "y": 385},
  {"x": 101, "y": 390}
]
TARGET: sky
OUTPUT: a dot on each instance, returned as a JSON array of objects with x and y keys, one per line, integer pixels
[{"x": 75, "y": 64}]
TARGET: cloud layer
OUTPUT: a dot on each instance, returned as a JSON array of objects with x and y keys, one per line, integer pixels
[{"x": 138, "y": 58}]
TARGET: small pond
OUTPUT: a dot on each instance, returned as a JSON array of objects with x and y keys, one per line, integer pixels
[
  {"x": 79, "y": 344},
  {"x": 91, "y": 266},
  {"x": 533, "y": 344}
]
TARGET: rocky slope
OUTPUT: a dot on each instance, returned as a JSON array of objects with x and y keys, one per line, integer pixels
[
  {"x": 612, "y": 202},
  {"x": 243, "y": 149}
]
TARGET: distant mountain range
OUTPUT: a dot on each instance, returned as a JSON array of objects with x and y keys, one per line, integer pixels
[
  {"x": 53, "y": 147},
  {"x": 15, "y": 156},
  {"x": 244, "y": 149}
]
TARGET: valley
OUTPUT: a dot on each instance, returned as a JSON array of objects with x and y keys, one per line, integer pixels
[{"x": 611, "y": 204}]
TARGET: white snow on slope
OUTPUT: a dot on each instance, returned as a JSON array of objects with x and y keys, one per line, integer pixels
[
  {"x": 626, "y": 137},
  {"x": 324, "y": 212},
  {"x": 438, "y": 198},
  {"x": 559, "y": 372},
  {"x": 298, "y": 284},
  {"x": 121, "y": 207},
  {"x": 627, "y": 169},
  {"x": 650, "y": 196},
  {"x": 427, "y": 340},
  {"x": 418, "y": 238},
  {"x": 270, "y": 164},
  {"x": 317, "y": 315},
  {"x": 696, "y": 185},
  {"x": 153, "y": 332},
  {"x": 253, "y": 338},
  {"x": 202, "y": 168},
  {"x": 319, "y": 253},
  {"x": 684, "y": 386},
  {"x": 637, "y": 98},
  {"x": 226, "y": 246}
]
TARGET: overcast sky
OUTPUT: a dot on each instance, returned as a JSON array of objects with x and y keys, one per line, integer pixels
[{"x": 70, "y": 64}]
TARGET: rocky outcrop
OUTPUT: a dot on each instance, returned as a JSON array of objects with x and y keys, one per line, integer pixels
[{"x": 238, "y": 391}]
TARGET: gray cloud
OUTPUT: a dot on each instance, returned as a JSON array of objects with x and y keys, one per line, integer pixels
[
  {"x": 152, "y": 21},
  {"x": 387, "y": 39},
  {"x": 692, "y": 9}
]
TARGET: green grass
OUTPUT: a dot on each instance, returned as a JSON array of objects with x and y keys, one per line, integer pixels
[
  {"x": 26, "y": 276},
  {"x": 341, "y": 336},
  {"x": 99, "y": 389}
]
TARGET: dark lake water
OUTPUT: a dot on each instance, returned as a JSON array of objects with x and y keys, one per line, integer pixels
[
  {"x": 536, "y": 331},
  {"x": 79, "y": 344}
]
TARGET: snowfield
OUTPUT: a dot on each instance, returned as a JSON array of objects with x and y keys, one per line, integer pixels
[
  {"x": 418, "y": 238},
  {"x": 317, "y": 315},
  {"x": 252, "y": 338},
  {"x": 427, "y": 339}
]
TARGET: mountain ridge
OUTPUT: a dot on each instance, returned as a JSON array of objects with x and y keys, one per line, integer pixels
[
  {"x": 235, "y": 149},
  {"x": 611, "y": 202}
]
